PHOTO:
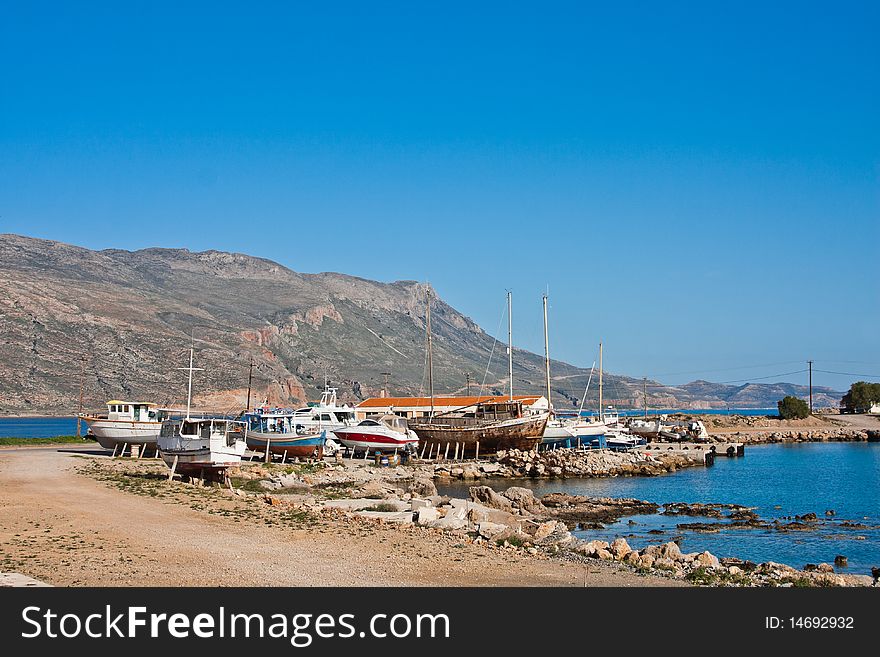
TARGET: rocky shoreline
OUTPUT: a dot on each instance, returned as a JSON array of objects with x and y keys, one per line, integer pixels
[
  {"x": 835, "y": 434},
  {"x": 515, "y": 519},
  {"x": 568, "y": 463}
]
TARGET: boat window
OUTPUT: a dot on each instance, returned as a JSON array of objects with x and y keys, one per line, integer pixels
[
  {"x": 369, "y": 423},
  {"x": 325, "y": 417}
]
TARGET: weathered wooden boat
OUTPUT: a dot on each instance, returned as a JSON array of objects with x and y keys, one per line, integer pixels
[
  {"x": 126, "y": 423},
  {"x": 494, "y": 425},
  {"x": 277, "y": 431}
]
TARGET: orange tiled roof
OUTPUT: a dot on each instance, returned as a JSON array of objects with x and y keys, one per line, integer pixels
[{"x": 457, "y": 402}]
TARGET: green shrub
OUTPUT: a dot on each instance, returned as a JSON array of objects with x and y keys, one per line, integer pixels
[{"x": 792, "y": 408}]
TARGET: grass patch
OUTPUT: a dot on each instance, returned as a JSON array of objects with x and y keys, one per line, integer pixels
[
  {"x": 702, "y": 576},
  {"x": 249, "y": 485},
  {"x": 514, "y": 540},
  {"x": 383, "y": 507},
  {"x": 57, "y": 440}
]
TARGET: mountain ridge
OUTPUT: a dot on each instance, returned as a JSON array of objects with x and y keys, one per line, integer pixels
[{"x": 127, "y": 318}]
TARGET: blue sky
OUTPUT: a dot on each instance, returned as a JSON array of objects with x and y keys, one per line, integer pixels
[{"x": 695, "y": 183}]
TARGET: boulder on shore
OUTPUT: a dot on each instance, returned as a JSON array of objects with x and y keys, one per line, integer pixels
[{"x": 488, "y": 497}]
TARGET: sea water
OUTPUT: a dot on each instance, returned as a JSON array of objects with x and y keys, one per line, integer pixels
[
  {"x": 779, "y": 481},
  {"x": 38, "y": 427}
]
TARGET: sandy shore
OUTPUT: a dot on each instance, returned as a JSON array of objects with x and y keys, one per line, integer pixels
[{"x": 69, "y": 529}]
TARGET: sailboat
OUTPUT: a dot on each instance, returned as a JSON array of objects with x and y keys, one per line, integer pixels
[
  {"x": 201, "y": 445},
  {"x": 484, "y": 427},
  {"x": 561, "y": 431}
]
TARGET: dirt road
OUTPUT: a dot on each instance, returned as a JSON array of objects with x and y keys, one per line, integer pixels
[{"x": 65, "y": 528}]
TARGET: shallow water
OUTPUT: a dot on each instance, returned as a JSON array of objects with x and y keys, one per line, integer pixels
[{"x": 777, "y": 480}]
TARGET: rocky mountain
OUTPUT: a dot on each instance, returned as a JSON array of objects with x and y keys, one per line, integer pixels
[{"x": 119, "y": 323}]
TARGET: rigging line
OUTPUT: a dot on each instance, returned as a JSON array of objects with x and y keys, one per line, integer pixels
[
  {"x": 492, "y": 352},
  {"x": 762, "y": 378},
  {"x": 867, "y": 376}
]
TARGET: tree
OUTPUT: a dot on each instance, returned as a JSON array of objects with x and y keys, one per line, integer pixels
[
  {"x": 792, "y": 408},
  {"x": 861, "y": 397}
]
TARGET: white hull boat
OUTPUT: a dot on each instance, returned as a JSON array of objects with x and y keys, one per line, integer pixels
[
  {"x": 126, "y": 423},
  {"x": 194, "y": 445},
  {"x": 386, "y": 433}
]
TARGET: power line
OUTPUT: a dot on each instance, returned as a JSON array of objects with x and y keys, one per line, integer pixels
[
  {"x": 866, "y": 376},
  {"x": 728, "y": 369}
]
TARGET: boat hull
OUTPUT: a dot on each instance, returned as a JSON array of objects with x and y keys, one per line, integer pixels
[
  {"x": 359, "y": 438},
  {"x": 521, "y": 433},
  {"x": 112, "y": 433},
  {"x": 291, "y": 445}
]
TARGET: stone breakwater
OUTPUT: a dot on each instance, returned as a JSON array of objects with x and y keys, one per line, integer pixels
[
  {"x": 569, "y": 463},
  {"x": 836, "y": 434}
]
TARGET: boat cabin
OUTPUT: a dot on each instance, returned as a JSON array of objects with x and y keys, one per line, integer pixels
[
  {"x": 132, "y": 411},
  {"x": 201, "y": 428}
]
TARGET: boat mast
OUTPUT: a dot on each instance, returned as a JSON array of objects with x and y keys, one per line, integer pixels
[
  {"x": 601, "y": 406},
  {"x": 430, "y": 350},
  {"x": 510, "y": 343},
  {"x": 190, "y": 369},
  {"x": 547, "y": 354},
  {"x": 250, "y": 381}
]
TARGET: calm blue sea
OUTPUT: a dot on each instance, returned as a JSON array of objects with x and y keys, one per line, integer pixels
[
  {"x": 38, "y": 427},
  {"x": 779, "y": 480}
]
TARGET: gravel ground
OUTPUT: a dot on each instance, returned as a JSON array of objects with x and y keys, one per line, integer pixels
[{"x": 69, "y": 529}]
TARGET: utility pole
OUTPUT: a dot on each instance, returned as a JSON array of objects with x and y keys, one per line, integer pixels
[
  {"x": 250, "y": 381},
  {"x": 645, "y": 390},
  {"x": 385, "y": 385},
  {"x": 82, "y": 374},
  {"x": 810, "y": 363}
]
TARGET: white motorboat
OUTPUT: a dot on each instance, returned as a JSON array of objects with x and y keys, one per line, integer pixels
[{"x": 384, "y": 433}]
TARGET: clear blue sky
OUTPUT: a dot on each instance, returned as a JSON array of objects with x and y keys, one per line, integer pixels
[{"x": 697, "y": 183}]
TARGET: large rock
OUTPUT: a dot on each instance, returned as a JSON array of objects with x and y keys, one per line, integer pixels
[
  {"x": 545, "y": 529},
  {"x": 524, "y": 499},
  {"x": 488, "y": 497},
  {"x": 489, "y": 530},
  {"x": 422, "y": 487},
  {"x": 671, "y": 551},
  {"x": 448, "y": 523},
  {"x": 707, "y": 560},
  {"x": 427, "y": 515},
  {"x": 620, "y": 548}
]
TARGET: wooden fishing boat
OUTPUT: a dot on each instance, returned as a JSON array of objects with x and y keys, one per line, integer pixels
[
  {"x": 277, "y": 430},
  {"x": 494, "y": 425},
  {"x": 126, "y": 423},
  {"x": 200, "y": 445}
]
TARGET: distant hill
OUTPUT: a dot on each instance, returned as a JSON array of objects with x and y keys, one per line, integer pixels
[{"x": 127, "y": 317}]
